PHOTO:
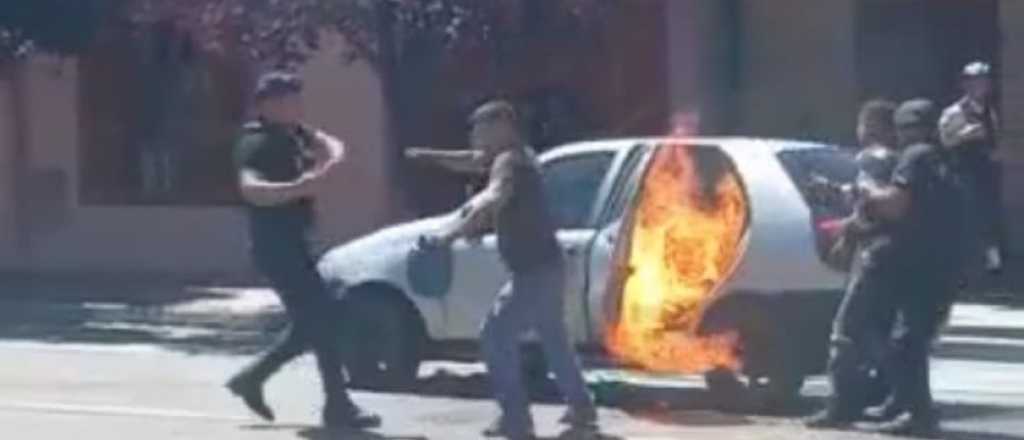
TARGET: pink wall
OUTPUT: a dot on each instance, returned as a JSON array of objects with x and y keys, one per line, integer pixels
[{"x": 342, "y": 99}]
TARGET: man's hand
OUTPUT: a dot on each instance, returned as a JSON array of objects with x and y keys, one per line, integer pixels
[{"x": 972, "y": 132}]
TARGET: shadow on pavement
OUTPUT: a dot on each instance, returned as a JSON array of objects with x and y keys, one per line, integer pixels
[
  {"x": 953, "y": 434},
  {"x": 103, "y": 324},
  {"x": 667, "y": 405},
  {"x": 310, "y": 432},
  {"x": 962, "y": 411}
]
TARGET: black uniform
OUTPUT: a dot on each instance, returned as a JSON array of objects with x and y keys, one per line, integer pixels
[
  {"x": 281, "y": 253},
  {"x": 929, "y": 247},
  {"x": 862, "y": 325}
]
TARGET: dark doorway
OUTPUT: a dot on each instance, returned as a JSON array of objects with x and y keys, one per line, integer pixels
[{"x": 908, "y": 48}]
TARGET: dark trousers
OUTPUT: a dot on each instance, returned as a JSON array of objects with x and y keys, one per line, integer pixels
[
  {"x": 292, "y": 273},
  {"x": 907, "y": 365},
  {"x": 860, "y": 332},
  {"x": 984, "y": 179},
  {"x": 532, "y": 300}
]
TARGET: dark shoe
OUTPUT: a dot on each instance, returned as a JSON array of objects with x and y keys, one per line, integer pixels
[
  {"x": 888, "y": 410},
  {"x": 250, "y": 390},
  {"x": 497, "y": 429},
  {"x": 579, "y": 417},
  {"x": 349, "y": 416},
  {"x": 830, "y": 419},
  {"x": 907, "y": 425}
]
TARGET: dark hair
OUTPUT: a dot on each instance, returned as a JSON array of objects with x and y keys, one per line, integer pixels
[
  {"x": 495, "y": 110},
  {"x": 276, "y": 84},
  {"x": 877, "y": 117}
]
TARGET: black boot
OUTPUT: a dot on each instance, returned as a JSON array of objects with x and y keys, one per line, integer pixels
[
  {"x": 249, "y": 387},
  {"x": 909, "y": 425},
  {"x": 498, "y": 429},
  {"x": 888, "y": 410},
  {"x": 579, "y": 417},
  {"x": 342, "y": 413},
  {"x": 831, "y": 417}
]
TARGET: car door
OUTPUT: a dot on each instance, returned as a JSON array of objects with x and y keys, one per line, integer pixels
[
  {"x": 606, "y": 241},
  {"x": 573, "y": 184}
]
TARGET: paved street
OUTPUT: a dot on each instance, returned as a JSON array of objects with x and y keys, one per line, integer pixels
[{"x": 99, "y": 371}]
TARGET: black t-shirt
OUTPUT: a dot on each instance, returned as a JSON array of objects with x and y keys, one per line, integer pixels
[
  {"x": 277, "y": 154},
  {"x": 933, "y": 231},
  {"x": 525, "y": 229}
]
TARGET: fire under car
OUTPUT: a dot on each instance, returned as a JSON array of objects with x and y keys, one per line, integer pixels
[{"x": 686, "y": 256}]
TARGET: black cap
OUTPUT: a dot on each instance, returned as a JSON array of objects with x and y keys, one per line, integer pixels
[
  {"x": 918, "y": 112},
  {"x": 976, "y": 69},
  {"x": 274, "y": 84}
]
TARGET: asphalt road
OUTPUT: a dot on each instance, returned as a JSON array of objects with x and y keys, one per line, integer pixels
[{"x": 60, "y": 381}]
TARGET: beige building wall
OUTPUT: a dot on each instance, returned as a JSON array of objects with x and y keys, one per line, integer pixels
[
  {"x": 1012, "y": 15},
  {"x": 797, "y": 68},
  {"x": 67, "y": 235}
]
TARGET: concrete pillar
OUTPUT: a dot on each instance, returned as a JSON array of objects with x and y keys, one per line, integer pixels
[
  {"x": 8, "y": 140},
  {"x": 797, "y": 69},
  {"x": 1010, "y": 14},
  {"x": 701, "y": 61}
]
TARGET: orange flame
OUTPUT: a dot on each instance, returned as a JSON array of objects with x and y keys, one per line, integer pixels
[{"x": 685, "y": 241}]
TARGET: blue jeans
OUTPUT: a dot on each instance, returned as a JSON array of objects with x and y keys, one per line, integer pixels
[{"x": 532, "y": 300}]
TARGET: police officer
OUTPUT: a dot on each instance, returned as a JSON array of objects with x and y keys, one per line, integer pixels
[
  {"x": 925, "y": 202},
  {"x": 281, "y": 165},
  {"x": 514, "y": 200},
  {"x": 861, "y": 325},
  {"x": 970, "y": 129}
]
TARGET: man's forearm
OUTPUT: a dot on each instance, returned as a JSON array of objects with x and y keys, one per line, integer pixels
[
  {"x": 460, "y": 161},
  {"x": 333, "y": 148},
  {"x": 262, "y": 193}
]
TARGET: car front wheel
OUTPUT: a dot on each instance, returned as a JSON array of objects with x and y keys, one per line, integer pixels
[{"x": 381, "y": 343}]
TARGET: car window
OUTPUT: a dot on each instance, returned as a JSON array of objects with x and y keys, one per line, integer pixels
[
  {"x": 571, "y": 185},
  {"x": 625, "y": 186},
  {"x": 835, "y": 164}
]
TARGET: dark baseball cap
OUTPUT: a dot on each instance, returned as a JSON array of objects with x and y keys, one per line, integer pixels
[
  {"x": 277, "y": 83},
  {"x": 976, "y": 69},
  {"x": 918, "y": 112}
]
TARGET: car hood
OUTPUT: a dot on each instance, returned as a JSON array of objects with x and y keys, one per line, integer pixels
[{"x": 378, "y": 255}]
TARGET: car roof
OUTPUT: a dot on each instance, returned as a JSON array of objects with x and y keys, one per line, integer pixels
[{"x": 774, "y": 146}]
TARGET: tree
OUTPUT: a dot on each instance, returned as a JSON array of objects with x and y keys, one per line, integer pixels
[
  {"x": 52, "y": 26},
  {"x": 405, "y": 41}
]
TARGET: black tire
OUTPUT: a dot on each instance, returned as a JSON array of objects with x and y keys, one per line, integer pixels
[
  {"x": 777, "y": 393},
  {"x": 382, "y": 342},
  {"x": 725, "y": 387}
]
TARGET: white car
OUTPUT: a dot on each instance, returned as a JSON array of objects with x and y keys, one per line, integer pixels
[{"x": 778, "y": 294}]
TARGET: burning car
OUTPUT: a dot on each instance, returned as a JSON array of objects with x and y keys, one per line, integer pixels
[{"x": 686, "y": 256}]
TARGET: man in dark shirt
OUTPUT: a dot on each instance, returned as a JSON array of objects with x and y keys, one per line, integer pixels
[
  {"x": 925, "y": 202},
  {"x": 514, "y": 201},
  {"x": 281, "y": 165}
]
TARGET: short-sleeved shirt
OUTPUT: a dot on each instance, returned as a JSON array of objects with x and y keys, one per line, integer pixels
[
  {"x": 277, "y": 154},
  {"x": 933, "y": 230},
  {"x": 524, "y": 225}
]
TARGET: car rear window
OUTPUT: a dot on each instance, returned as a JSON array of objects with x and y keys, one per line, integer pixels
[{"x": 832, "y": 163}]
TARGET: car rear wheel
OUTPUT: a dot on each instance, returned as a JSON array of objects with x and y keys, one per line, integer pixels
[{"x": 382, "y": 342}]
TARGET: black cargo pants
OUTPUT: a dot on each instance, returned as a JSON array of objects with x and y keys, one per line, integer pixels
[
  {"x": 983, "y": 177},
  {"x": 927, "y": 291},
  {"x": 291, "y": 271},
  {"x": 860, "y": 332}
]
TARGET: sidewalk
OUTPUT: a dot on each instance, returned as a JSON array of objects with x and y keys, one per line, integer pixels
[{"x": 119, "y": 311}]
